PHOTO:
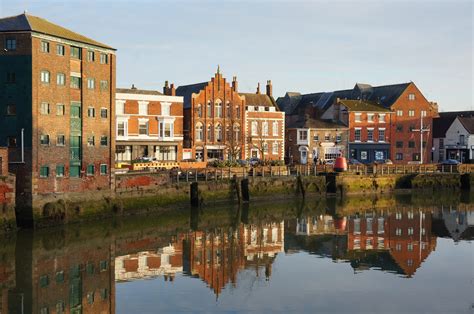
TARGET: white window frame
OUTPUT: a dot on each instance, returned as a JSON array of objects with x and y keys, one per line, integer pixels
[{"x": 275, "y": 128}]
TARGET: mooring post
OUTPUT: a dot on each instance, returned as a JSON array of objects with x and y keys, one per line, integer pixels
[
  {"x": 245, "y": 190},
  {"x": 194, "y": 186}
]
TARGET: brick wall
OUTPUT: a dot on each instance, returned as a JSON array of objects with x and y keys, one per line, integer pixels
[{"x": 3, "y": 161}]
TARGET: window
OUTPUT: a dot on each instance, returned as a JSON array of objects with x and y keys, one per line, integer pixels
[
  {"x": 121, "y": 128},
  {"x": 59, "y": 274},
  {"x": 75, "y": 82},
  {"x": 399, "y": 128},
  {"x": 399, "y": 144},
  {"x": 275, "y": 128},
  {"x": 10, "y": 44},
  {"x": 338, "y": 138},
  {"x": 398, "y": 216},
  {"x": 60, "y": 110},
  {"x": 316, "y": 137},
  {"x": 60, "y": 174},
  {"x": 218, "y": 131},
  {"x": 11, "y": 141},
  {"x": 60, "y": 79},
  {"x": 398, "y": 156},
  {"x": 409, "y": 262},
  {"x": 398, "y": 232},
  {"x": 218, "y": 109},
  {"x": 275, "y": 148},
  {"x": 60, "y": 51},
  {"x": 104, "y": 59},
  {"x": 411, "y": 96},
  {"x": 90, "y": 83},
  {"x": 91, "y": 140},
  {"x": 357, "y": 135},
  {"x": 441, "y": 143},
  {"x": 265, "y": 128},
  {"x": 411, "y": 144},
  {"x": 90, "y": 268},
  {"x": 398, "y": 247},
  {"x": 302, "y": 135},
  {"x": 103, "y": 265},
  {"x": 76, "y": 52},
  {"x": 90, "y": 170},
  {"x": 423, "y": 113},
  {"x": 327, "y": 137},
  {"x": 103, "y": 169},
  {"x": 236, "y": 132},
  {"x": 209, "y": 109},
  {"x": 165, "y": 109},
  {"x": 143, "y": 128},
  {"x": 363, "y": 155},
  {"x": 410, "y": 215},
  {"x": 45, "y": 46},
  {"x": 44, "y": 139},
  {"x": 370, "y": 135},
  {"x": 90, "y": 297},
  {"x": 228, "y": 110},
  {"x": 382, "y": 117},
  {"x": 103, "y": 113},
  {"x": 410, "y": 231},
  {"x": 166, "y": 129},
  {"x": 143, "y": 108},
  {"x": 11, "y": 77},
  {"x": 237, "y": 112},
  {"x": 91, "y": 112},
  {"x": 45, "y": 77},
  {"x": 411, "y": 113},
  {"x": 90, "y": 56},
  {"x": 199, "y": 110},
  {"x": 60, "y": 140},
  {"x": 199, "y": 132},
  {"x": 44, "y": 173},
  {"x": 399, "y": 113},
  {"x": 209, "y": 132},
  {"x": 11, "y": 110},
  {"x": 381, "y": 135},
  {"x": 44, "y": 109},
  {"x": 104, "y": 293},
  {"x": 357, "y": 117},
  {"x": 370, "y": 117},
  {"x": 265, "y": 147},
  {"x": 104, "y": 85},
  {"x": 104, "y": 141},
  {"x": 410, "y": 247},
  {"x": 254, "y": 128}
]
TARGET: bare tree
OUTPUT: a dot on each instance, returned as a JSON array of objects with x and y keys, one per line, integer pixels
[{"x": 233, "y": 138}]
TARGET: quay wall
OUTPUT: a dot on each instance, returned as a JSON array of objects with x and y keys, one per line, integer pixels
[
  {"x": 7, "y": 203},
  {"x": 141, "y": 193}
]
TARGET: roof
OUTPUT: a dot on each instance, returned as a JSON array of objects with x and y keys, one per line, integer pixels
[
  {"x": 385, "y": 95},
  {"x": 252, "y": 99},
  {"x": 312, "y": 123},
  {"x": 444, "y": 121},
  {"x": 137, "y": 91},
  {"x": 187, "y": 90},
  {"x": 362, "y": 105},
  {"x": 467, "y": 123},
  {"x": 29, "y": 23}
]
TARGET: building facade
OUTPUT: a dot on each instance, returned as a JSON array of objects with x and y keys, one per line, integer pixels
[
  {"x": 264, "y": 126},
  {"x": 148, "y": 125},
  {"x": 57, "y": 107},
  {"x": 459, "y": 141}
]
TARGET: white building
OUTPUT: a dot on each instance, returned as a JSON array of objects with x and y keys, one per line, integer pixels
[{"x": 459, "y": 140}]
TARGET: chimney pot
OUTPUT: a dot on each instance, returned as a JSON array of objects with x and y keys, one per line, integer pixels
[
  {"x": 258, "y": 88},
  {"x": 269, "y": 88}
]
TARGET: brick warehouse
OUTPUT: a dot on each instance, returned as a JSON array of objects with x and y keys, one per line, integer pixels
[
  {"x": 57, "y": 108},
  {"x": 148, "y": 124}
]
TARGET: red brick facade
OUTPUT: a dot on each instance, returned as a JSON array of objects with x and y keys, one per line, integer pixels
[{"x": 3, "y": 161}]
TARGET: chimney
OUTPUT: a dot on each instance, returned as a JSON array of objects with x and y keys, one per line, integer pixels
[
  {"x": 235, "y": 84},
  {"x": 166, "y": 88},
  {"x": 172, "y": 90},
  {"x": 269, "y": 88},
  {"x": 133, "y": 86},
  {"x": 258, "y": 89}
]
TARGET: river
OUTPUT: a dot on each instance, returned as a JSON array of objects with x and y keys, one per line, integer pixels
[{"x": 386, "y": 254}]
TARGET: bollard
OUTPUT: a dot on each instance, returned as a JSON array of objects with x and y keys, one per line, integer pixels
[
  {"x": 244, "y": 184},
  {"x": 194, "y": 194}
]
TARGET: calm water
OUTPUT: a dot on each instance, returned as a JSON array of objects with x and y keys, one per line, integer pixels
[{"x": 388, "y": 255}]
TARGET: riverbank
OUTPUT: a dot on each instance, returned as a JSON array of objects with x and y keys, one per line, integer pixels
[{"x": 145, "y": 193}]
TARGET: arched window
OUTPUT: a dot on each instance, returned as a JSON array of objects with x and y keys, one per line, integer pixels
[
  {"x": 254, "y": 128},
  {"x": 237, "y": 112},
  {"x": 199, "y": 132},
  {"x": 275, "y": 128},
  {"x": 236, "y": 132},
  {"x": 199, "y": 110},
  {"x": 265, "y": 128},
  {"x": 209, "y": 133},
  {"x": 228, "y": 110},
  {"x": 209, "y": 109},
  {"x": 218, "y": 131},
  {"x": 228, "y": 133},
  {"x": 218, "y": 108}
]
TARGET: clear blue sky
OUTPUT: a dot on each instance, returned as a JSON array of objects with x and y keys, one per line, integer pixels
[{"x": 305, "y": 46}]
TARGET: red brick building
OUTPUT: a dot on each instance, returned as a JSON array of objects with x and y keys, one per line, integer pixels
[
  {"x": 3, "y": 161},
  {"x": 148, "y": 124},
  {"x": 63, "y": 84}
]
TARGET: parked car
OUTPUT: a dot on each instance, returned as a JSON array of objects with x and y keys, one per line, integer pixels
[
  {"x": 242, "y": 162},
  {"x": 330, "y": 162},
  {"x": 450, "y": 162},
  {"x": 254, "y": 161},
  {"x": 353, "y": 161},
  {"x": 388, "y": 162}
]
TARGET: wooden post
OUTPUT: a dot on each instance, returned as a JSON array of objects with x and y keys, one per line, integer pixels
[
  {"x": 196, "y": 176},
  {"x": 187, "y": 176},
  {"x": 194, "y": 194},
  {"x": 245, "y": 190}
]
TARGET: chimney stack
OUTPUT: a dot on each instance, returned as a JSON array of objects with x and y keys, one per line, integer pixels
[
  {"x": 258, "y": 88},
  {"x": 235, "y": 85},
  {"x": 172, "y": 90},
  {"x": 133, "y": 86},
  {"x": 165, "y": 88},
  {"x": 269, "y": 88}
]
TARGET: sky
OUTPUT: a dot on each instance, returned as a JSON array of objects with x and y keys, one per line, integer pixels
[{"x": 302, "y": 46}]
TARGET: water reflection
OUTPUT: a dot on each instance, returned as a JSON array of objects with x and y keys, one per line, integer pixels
[{"x": 77, "y": 270}]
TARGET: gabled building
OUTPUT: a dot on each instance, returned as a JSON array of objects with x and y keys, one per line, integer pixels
[
  {"x": 58, "y": 93},
  {"x": 405, "y": 101},
  {"x": 459, "y": 141},
  {"x": 149, "y": 124}
]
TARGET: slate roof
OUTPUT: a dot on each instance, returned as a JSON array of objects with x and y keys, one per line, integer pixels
[
  {"x": 385, "y": 95},
  {"x": 468, "y": 123},
  {"x": 444, "y": 121},
  {"x": 137, "y": 91},
  {"x": 30, "y": 23},
  {"x": 252, "y": 99},
  {"x": 312, "y": 123},
  {"x": 187, "y": 90},
  {"x": 363, "y": 105}
]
